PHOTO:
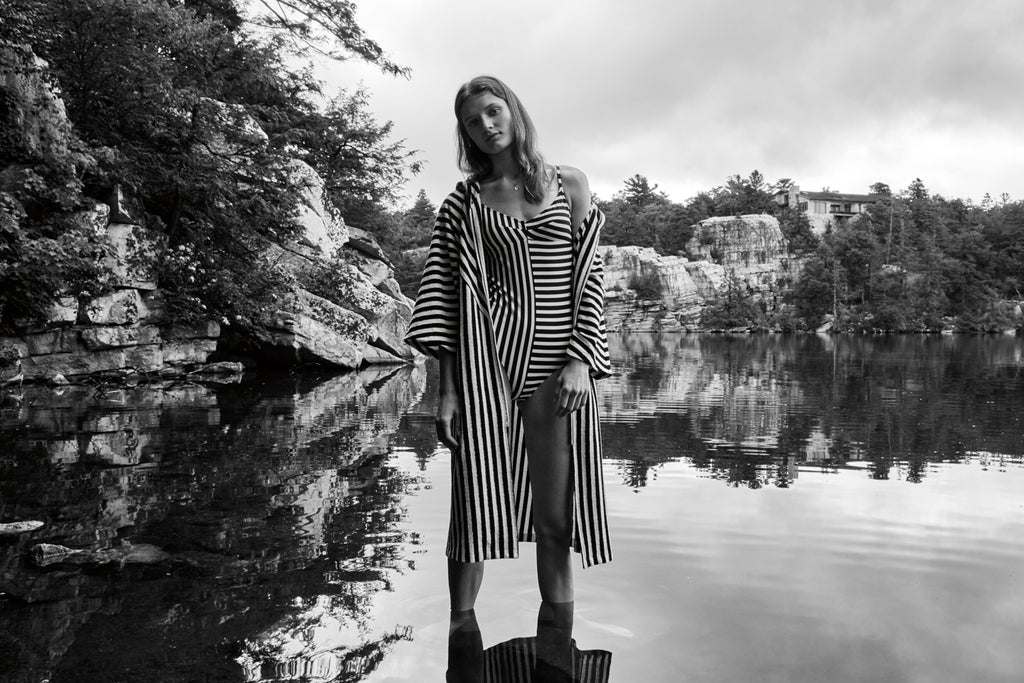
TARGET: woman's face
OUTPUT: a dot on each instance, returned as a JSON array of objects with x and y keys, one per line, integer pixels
[{"x": 488, "y": 121}]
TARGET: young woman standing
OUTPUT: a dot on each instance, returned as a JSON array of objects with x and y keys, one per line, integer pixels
[{"x": 512, "y": 304}]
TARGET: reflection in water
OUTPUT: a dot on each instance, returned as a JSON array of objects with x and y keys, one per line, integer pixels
[
  {"x": 756, "y": 410},
  {"x": 283, "y": 507},
  {"x": 275, "y": 502},
  {"x": 549, "y": 657}
]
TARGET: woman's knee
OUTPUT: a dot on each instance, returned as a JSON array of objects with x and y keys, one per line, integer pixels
[{"x": 552, "y": 529}]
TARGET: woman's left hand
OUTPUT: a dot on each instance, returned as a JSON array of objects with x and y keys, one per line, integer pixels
[{"x": 573, "y": 389}]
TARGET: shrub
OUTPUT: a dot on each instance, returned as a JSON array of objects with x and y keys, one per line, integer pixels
[{"x": 646, "y": 284}]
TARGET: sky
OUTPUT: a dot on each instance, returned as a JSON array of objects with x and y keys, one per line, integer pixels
[{"x": 829, "y": 93}]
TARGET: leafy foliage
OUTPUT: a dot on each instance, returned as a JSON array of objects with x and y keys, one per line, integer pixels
[
  {"x": 917, "y": 261},
  {"x": 200, "y": 120}
]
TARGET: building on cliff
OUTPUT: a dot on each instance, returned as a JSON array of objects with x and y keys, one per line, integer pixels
[{"x": 825, "y": 209}]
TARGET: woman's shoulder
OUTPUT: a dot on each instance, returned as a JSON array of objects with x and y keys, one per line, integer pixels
[{"x": 576, "y": 184}]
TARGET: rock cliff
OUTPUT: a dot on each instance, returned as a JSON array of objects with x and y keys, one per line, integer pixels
[
  {"x": 357, "y": 315},
  {"x": 649, "y": 292}
]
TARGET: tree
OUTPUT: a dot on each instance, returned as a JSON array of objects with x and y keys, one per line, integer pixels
[
  {"x": 200, "y": 120},
  {"x": 639, "y": 192},
  {"x": 327, "y": 27}
]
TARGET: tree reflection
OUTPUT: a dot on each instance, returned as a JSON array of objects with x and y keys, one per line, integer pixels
[
  {"x": 754, "y": 410},
  {"x": 277, "y": 502}
]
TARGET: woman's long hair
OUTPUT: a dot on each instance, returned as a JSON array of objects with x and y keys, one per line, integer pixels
[{"x": 524, "y": 139}]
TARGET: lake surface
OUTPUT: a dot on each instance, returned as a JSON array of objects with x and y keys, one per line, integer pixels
[{"x": 783, "y": 508}]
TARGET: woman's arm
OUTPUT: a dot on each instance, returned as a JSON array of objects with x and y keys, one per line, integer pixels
[
  {"x": 574, "y": 380},
  {"x": 448, "y": 413}
]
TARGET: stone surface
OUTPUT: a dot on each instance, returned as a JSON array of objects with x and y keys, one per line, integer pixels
[
  {"x": 221, "y": 368},
  {"x": 47, "y": 554},
  {"x": 321, "y": 226},
  {"x": 59, "y": 340},
  {"x": 678, "y": 300},
  {"x": 365, "y": 243},
  {"x": 111, "y": 337},
  {"x": 72, "y": 364},
  {"x": 315, "y": 330},
  {"x": 751, "y": 248},
  {"x": 11, "y": 354},
  {"x": 64, "y": 311},
  {"x": 188, "y": 351},
  {"x": 388, "y": 332},
  {"x": 35, "y": 122},
  {"x": 18, "y": 528},
  {"x": 94, "y": 219},
  {"x": 206, "y": 329},
  {"x": 121, "y": 307},
  {"x": 135, "y": 250},
  {"x": 145, "y": 358}
]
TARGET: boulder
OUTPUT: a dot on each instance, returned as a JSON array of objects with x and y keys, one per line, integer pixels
[
  {"x": 321, "y": 226},
  {"x": 366, "y": 244},
  {"x": 314, "y": 330}
]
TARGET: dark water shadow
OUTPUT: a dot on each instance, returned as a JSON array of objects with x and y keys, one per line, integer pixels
[{"x": 550, "y": 656}]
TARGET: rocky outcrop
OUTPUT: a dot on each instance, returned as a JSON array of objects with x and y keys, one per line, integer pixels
[
  {"x": 649, "y": 292},
  {"x": 751, "y": 248},
  {"x": 120, "y": 334},
  {"x": 344, "y": 310}
]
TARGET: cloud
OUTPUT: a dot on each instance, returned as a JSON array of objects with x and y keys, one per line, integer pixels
[{"x": 688, "y": 93}]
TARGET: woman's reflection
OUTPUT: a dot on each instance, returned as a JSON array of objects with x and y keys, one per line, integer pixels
[{"x": 549, "y": 657}]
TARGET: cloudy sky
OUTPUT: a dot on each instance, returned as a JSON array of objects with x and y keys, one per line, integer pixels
[{"x": 688, "y": 92}]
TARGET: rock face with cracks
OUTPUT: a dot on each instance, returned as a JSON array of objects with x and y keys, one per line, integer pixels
[
  {"x": 650, "y": 292},
  {"x": 356, "y": 317}
]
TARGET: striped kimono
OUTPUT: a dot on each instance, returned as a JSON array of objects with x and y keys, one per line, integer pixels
[{"x": 491, "y": 506}]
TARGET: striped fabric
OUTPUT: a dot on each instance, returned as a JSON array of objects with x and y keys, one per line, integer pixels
[
  {"x": 529, "y": 282},
  {"x": 515, "y": 661},
  {"x": 490, "y": 484}
]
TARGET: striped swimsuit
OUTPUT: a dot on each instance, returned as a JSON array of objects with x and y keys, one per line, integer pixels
[{"x": 529, "y": 281}]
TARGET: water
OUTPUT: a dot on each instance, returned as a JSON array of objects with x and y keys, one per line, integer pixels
[{"x": 782, "y": 509}]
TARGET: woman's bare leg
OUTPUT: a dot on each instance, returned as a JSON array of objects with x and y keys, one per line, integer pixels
[
  {"x": 550, "y": 463},
  {"x": 464, "y": 579}
]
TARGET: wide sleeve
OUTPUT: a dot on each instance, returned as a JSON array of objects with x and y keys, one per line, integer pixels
[
  {"x": 435, "y": 317},
  {"x": 589, "y": 341}
]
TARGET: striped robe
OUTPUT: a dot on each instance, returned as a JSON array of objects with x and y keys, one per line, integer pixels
[{"x": 491, "y": 506}]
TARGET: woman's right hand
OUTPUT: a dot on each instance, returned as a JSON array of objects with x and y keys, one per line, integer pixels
[{"x": 448, "y": 420}]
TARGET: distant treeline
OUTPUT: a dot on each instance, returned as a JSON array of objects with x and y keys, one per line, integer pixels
[{"x": 915, "y": 261}]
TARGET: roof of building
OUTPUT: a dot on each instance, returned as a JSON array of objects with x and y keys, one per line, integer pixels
[
  {"x": 834, "y": 196},
  {"x": 842, "y": 196}
]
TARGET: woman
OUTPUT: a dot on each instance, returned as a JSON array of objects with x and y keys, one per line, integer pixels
[{"x": 511, "y": 303}]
